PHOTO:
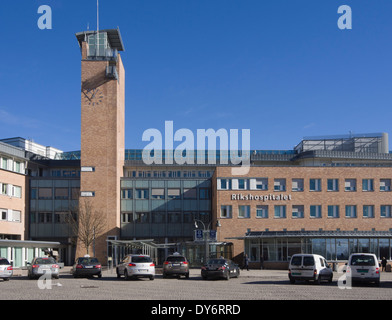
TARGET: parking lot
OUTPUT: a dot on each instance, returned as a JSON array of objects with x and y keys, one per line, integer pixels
[{"x": 251, "y": 285}]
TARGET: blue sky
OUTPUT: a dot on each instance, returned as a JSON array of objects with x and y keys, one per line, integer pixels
[{"x": 281, "y": 68}]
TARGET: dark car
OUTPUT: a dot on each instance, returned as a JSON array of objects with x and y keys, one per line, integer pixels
[
  {"x": 176, "y": 264},
  {"x": 87, "y": 267},
  {"x": 220, "y": 268}
]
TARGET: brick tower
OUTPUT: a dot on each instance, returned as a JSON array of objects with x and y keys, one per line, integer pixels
[{"x": 102, "y": 131}]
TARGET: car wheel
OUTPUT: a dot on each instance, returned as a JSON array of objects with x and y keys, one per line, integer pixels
[
  {"x": 126, "y": 276},
  {"x": 318, "y": 280},
  {"x": 292, "y": 280},
  {"x": 100, "y": 275},
  {"x": 187, "y": 275},
  {"x": 164, "y": 275},
  {"x": 237, "y": 273},
  {"x": 152, "y": 277},
  {"x": 227, "y": 275},
  {"x": 6, "y": 279},
  {"x": 330, "y": 279},
  {"x": 118, "y": 273}
]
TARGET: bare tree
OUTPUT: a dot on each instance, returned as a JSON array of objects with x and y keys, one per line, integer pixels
[{"x": 87, "y": 223}]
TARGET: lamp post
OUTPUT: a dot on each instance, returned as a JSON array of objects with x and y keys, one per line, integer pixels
[{"x": 206, "y": 231}]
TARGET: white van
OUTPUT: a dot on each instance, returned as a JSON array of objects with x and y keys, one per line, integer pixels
[
  {"x": 363, "y": 267},
  {"x": 309, "y": 267}
]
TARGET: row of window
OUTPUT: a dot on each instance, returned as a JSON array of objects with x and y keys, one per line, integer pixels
[
  {"x": 12, "y": 165},
  {"x": 7, "y": 189},
  {"x": 170, "y": 174},
  {"x": 298, "y": 184},
  {"x": 298, "y": 211},
  {"x": 162, "y": 193},
  {"x": 49, "y": 217},
  {"x": 10, "y": 215},
  {"x": 163, "y": 217},
  {"x": 56, "y": 193}
]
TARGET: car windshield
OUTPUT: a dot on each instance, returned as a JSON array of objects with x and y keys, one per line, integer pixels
[
  {"x": 88, "y": 261},
  {"x": 45, "y": 261},
  {"x": 4, "y": 262},
  {"x": 362, "y": 260},
  {"x": 217, "y": 261},
  {"x": 141, "y": 259},
  {"x": 175, "y": 259},
  {"x": 296, "y": 261}
]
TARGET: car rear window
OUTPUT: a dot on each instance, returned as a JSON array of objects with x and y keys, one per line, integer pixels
[
  {"x": 45, "y": 261},
  {"x": 296, "y": 261},
  {"x": 141, "y": 259},
  {"x": 88, "y": 261},
  {"x": 4, "y": 262},
  {"x": 308, "y": 261},
  {"x": 175, "y": 259},
  {"x": 217, "y": 261},
  {"x": 362, "y": 260}
]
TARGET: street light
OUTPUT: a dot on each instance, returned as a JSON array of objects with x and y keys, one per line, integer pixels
[{"x": 206, "y": 231}]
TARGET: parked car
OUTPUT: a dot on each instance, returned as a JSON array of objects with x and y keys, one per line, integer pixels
[
  {"x": 363, "y": 267},
  {"x": 87, "y": 267},
  {"x": 220, "y": 268},
  {"x": 309, "y": 267},
  {"x": 136, "y": 265},
  {"x": 175, "y": 264},
  {"x": 41, "y": 265},
  {"x": 6, "y": 269}
]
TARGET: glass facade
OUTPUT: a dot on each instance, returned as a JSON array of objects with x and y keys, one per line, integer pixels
[{"x": 333, "y": 249}]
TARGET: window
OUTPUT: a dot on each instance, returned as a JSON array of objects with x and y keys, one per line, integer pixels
[
  {"x": 315, "y": 184},
  {"x": 60, "y": 217},
  {"x": 280, "y": 211},
  {"x": 224, "y": 184},
  {"x": 17, "y": 192},
  {"x": 141, "y": 217},
  {"x": 173, "y": 194},
  {"x": 244, "y": 212},
  {"x": 261, "y": 184},
  {"x": 333, "y": 184},
  {"x": 174, "y": 174},
  {"x": 158, "y": 217},
  {"x": 297, "y": 185},
  {"x": 174, "y": 217},
  {"x": 141, "y": 193},
  {"x": 280, "y": 184},
  {"x": 226, "y": 212},
  {"x": 262, "y": 212},
  {"x": 33, "y": 193},
  {"x": 315, "y": 211},
  {"x": 297, "y": 211},
  {"x": 45, "y": 193},
  {"x": 385, "y": 184},
  {"x": 367, "y": 185},
  {"x": 4, "y": 189},
  {"x": 190, "y": 193},
  {"x": 242, "y": 185},
  {"x": 159, "y": 174},
  {"x": 3, "y": 214},
  {"x": 333, "y": 211},
  {"x": 126, "y": 193},
  {"x": 385, "y": 211},
  {"x": 351, "y": 211},
  {"x": 61, "y": 193},
  {"x": 4, "y": 163},
  {"x": 127, "y": 217},
  {"x": 158, "y": 193},
  {"x": 45, "y": 217},
  {"x": 368, "y": 211},
  {"x": 350, "y": 185},
  {"x": 204, "y": 194},
  {"x": 189, "y": 174}
]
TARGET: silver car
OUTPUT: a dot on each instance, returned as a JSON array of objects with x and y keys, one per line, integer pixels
[
  {"x": 6, "y": 269},
  {"x": 135, "y": 266},
  {"x": 43, "y": 265}
]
